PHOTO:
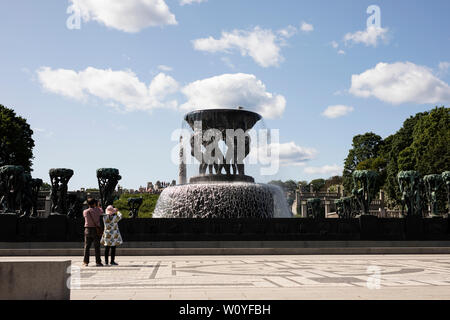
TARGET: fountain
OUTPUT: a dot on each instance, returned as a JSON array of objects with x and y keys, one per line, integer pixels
[{"x": 221, "y": 189}]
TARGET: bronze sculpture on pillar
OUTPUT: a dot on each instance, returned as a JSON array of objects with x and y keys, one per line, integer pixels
[
  {"x": 11, "y": 188},
  {"x": 432, "y": 184},
  {"x": 410, "y": 185},
  {"x": 59, "y": 179},
  {"x": 446, "y": 181},
  {"x": 314, "y": 208},
  {"x": 134, "y": 204},
  {"x": 345, "y": 207},
  {"x": 26, "y": 199},
  {"x": 364, "y": 188},
  {"x": 108, "y": 178},
  {"x": 36, "y": 185}
]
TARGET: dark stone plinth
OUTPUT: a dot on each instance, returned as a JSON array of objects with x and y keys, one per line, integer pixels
[
  {"x": 369, "y": 227},
  {"x": 212, "y": 178},
  {"x": 435, "y": 228},
  {"x": 57, "y": 227},
  {"x": 414, "y": 228},
  {"x": 31, "y": 228},
  {"x": 8, "y": 227},
  {"x": 391, "y": 229},
  {"x": 75, "y": 229},
  {"x": 60, "y": 229}
]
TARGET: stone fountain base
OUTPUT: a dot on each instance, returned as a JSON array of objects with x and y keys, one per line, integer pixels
[{"x": 221, "y": 200}]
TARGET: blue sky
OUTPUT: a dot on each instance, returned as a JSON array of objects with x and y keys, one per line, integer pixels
[{"x": 87, "y": 92}]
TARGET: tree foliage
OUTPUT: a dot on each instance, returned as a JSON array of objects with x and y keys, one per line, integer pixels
[
  {"x": 317, "y": 184},
  {"x": 333, "y": 181},
  {"x": 364, "y": 147},
  {"x": 16, "y": 142},
  {"x": 46, "y": 187},
  {"x": 421, "y": 144},
  {"x": 146, "y": 209}
]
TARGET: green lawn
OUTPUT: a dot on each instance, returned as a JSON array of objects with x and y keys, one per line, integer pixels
[{"x": 145, "y": 211}]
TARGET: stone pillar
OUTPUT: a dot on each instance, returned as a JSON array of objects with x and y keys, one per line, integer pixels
[
  {"x": 304, "y": 211},
  {"x": 382, "y": 204},
  {"x": 297, "y": 203},
  {"x": 48, "y": 205},
  {"x": 327, "y": 207}
]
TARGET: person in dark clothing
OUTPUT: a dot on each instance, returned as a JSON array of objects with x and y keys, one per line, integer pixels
[{"x": 92, "y": 231}]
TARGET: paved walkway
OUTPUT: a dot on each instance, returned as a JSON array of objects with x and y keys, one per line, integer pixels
[{"x": 264, "y": 277}]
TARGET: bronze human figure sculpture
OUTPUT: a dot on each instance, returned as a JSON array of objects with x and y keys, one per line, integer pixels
[
  {"x": 314, "y": 208},
  {"x": 446, "y": 181},
  {"x": 345, "y": 207},
  {"x": 134, "y": 204},
  {"x": 36, "y": 185},
  {"x": 26, "y": 201},
  {"x": 59, "y": 179},
  {"x": 108, "y": 178},
  {"x": 410, "y": 185},
  {"x": 11, "y": 188},
  {"x": 432, "y": 184},
  {"x": 75, "y": 205},
  {"x": 214, "y": 126},
  {"x": 364, "y": 188}
]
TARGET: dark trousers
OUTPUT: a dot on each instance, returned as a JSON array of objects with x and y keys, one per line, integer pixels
[
  {"x": 90, "y": 236},
  {"x": 113, "y": 253}
]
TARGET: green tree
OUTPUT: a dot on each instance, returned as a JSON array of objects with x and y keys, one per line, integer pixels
[
  {"x": 393, "y": 146},
  {"x": 290, "y": 186},
  {"x": 46, "y": 186},
  {"x": 146, "y": 209},
  {"x": 364, "y": 147},
  {"x": 420, "y": 145},
  {"x": 16, "y": 142},
  {"x": 287, "y": 186},
  {"x": 333, "y": 181},
  {"x": 317, "y": 184},
  {"x": 431, "y": 142}
]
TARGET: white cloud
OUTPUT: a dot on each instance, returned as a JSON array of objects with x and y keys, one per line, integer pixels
[
  {"x": 123, "y": 89},
  {"x": 115, "y": 88},
  {"x": 290, "y": 154},
  {"x": 306, "y": 27},
  {"x": 337, "y": 111},
  {"x": 341, "y": 52},
  {"x": 369, "y": 37},
  {"x": 327, "y": 170},
  {"x": 334, "y": 44},
  {"x": 228, "y": 62},
  {"x": 129, "y": 15},
  {"x": 262, "y": 45},
  {"x": 45, "y": 132},
  {"x": 184, "y": 2},
  {"x": 400, "y": 82},
  {"x": 288, "y": 32},
  {"x": 165, "y": 68},
  {"x": 231, "y": 91},
  {"x": 443, "y": 67}
]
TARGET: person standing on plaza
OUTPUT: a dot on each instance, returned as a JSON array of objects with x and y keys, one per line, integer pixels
[
  {"x": 92, "y": 231},
  {"x": 111, "y": 236}
]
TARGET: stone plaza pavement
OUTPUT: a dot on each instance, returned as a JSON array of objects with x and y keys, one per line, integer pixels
[{"x": 262, "y": 277}]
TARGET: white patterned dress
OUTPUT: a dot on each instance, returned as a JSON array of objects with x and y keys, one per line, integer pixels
[{"x": 111, "y": 236}]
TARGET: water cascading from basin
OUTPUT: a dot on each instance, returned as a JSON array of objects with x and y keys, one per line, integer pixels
[{"x": 221, "y": 189}]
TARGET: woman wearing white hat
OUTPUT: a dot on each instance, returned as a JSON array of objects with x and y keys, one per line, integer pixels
[{"x": 111, "y": 236}]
